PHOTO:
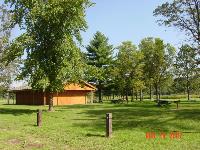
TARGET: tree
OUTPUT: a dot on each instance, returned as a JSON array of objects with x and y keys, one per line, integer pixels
[
  {"x": 178, "y": 85},
  {"x": 99, "y": 55},
  {"x": 6, "y": 72},
  {"x": 196, "y": 83},
  {"x": 129, "y": 69},
  {"x": 158, "y": 62},
  {"x": 186, "y": 66},
  {"x": 147, "y": 48},
  {"x": 50, "y": 42},
  {"x": 182, "y": 14}
]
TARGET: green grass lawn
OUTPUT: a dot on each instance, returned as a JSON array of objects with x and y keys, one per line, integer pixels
[{"x": 82, "y": 127}]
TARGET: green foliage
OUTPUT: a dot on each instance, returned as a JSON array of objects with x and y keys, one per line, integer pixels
[
  {"x": 158, "y": 62},
  {"x": 182, "y": 14},
  {"x": 128, "y": 69},
  {"x": 186, "y": 67},
  {"x": 185, "y": 61},
  {"x": 52, "y": 31},
  {"x": 6, "y": 72},
  {"x": 99, "y": 58},
  {"x": 99, "y": 52}
]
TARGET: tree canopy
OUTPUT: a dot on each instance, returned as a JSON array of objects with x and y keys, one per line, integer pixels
[
  {"x": 99, "y": 55},
  {"x": 186, "y": 68},
  {"x": 129, "y": 69},
  {"x": 6, "y": 72},
  {"x": 184, "y": 15},
  {"x": 158, "y": 61},
  {"x": 50, "y": 42}
]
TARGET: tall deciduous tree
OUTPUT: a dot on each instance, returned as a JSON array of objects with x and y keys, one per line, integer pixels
[
  {"x": 147, "y": 48},
  {"x": 128, "y": 70},
  {"x": 52, "y": 32},
  {"x": 186, "y": 66},
  {"x": 158, "y": 62},
  {"x": 6, "y": 72},
  {"x": 99, "y": 55},
  {"x": 182, "y": 14}
]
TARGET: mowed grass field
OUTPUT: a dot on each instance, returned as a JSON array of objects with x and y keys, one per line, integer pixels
[{"x": 82, "y": 127}]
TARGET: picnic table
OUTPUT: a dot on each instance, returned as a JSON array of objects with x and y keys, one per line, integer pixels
[
  {"x": 162, "y": 102},
  {"x": 97, "y": 101},
  {"x": 117, "y": 101}
]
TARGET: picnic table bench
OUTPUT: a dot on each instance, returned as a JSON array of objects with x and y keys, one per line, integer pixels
[
  {"x": 167, "y": 102},
  {"x": 97, "y": 101},
  {"x": 163, "y": 102},
  {"x": 117, "y": 101}
]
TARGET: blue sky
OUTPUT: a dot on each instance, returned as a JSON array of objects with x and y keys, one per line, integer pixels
[
  {"x": 122, "y": 20},
  {"x": 133, "y": 20}
]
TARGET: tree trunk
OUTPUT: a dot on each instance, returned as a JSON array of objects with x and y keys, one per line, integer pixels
[
  {"x": 188, "y": 89},
  {"x": 156, "y": 87},
  {"x": 51, "y": 102},
  {"x": 159, "y": 92},
  {"x": 123, "y": 95},
  {"x": 8, "y": 98},
  {"x": 150, "y": 91},
  {"x": 188, "y": 95},
  {"x": 136, "y": 95},
  {"x": 140, "y": 95},
  {"x": 100, "y": 94},
  {"x": 132, "y": 96},
  {"x": 127, "y": 96},
  {"x": 113, "y": 95},
  {"x": 45, "y": 98}
]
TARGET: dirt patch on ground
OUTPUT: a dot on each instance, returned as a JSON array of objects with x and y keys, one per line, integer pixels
[
  {"x": 14, "y": 141},
  {"x": 3, "y": 129},
  {"x": 34, "y": 145}
]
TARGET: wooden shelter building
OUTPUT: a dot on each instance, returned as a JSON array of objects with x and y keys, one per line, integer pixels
[{"x": 72, "y": 94}]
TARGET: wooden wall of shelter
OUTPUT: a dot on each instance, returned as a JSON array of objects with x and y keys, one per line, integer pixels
[
  {"x": 72, "y": 94},
  {"x": 29, "y": 97}
]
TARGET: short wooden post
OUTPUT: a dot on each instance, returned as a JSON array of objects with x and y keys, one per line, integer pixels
[
  {"x": 108, "y": 125},
  {"x": 39, "y": 118}
]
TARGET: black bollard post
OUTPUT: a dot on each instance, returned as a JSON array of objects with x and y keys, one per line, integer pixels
[
  {"x": 39, "y": 118},
  {"x": 108, "y": 125}
]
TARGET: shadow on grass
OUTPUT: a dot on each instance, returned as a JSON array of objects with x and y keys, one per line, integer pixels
[
  {"x": 123, "y": 119},
  {"x": 189, "y": 114},
  {"x": 192, "y": 132},
  {"x": 94, "y": 135},
  {"x": 77, "y": 106},
  {"x": 93, "y": 106},
  {"x": 16, "y": 112},
  {"x": 144, "y": 118}
]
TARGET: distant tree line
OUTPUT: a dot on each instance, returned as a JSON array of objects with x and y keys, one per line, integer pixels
[{"x": 152, "y": 67}]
